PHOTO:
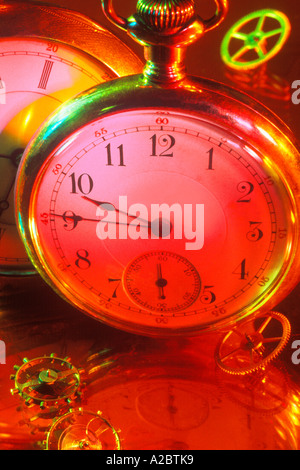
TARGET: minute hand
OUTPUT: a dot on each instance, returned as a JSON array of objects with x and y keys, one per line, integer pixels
[{"x": 111, "y": 207}]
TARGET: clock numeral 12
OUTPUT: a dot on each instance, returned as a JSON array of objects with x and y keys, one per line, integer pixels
[{"x": 163, "y": 141}]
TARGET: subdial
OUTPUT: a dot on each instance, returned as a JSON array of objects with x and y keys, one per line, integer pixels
[{"x": 162, "y": 281}]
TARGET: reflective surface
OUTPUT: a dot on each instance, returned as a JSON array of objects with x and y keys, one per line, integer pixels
[{"x": 157, "y": 394}]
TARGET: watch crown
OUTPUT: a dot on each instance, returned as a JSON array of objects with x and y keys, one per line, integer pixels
[{"x": 165, "y": 15}]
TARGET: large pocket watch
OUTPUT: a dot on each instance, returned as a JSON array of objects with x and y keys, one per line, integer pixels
[
  {"x": 47, "y": 55},
  {"x": 160, "y": 203}
]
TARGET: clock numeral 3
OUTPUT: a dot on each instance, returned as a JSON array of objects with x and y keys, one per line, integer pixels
[{"x": 255, "y": 234}]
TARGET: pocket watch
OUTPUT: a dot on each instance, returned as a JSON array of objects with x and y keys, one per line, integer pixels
[
  {"x": 47, "y": 55},
  {"x": 161, "y": 203}
]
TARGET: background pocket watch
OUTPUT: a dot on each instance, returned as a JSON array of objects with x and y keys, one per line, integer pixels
[{"x": 47, "y": 55}]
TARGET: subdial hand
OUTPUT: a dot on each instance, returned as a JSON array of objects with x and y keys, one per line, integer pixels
[{"x": 160, "y": 282}]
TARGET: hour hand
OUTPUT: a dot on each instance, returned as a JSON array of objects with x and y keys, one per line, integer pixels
[{"x": 111, "y": 207}]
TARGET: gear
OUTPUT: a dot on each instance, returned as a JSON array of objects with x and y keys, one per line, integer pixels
[
  {"x": 253, "y": 344},
  {"x": 80, "y": 429},
  {"x": 48, "y": 382}
]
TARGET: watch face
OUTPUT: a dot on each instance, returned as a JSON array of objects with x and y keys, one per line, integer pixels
[
  {"x": 161, "y": 222},
  {"x": 36, "y": 77}
]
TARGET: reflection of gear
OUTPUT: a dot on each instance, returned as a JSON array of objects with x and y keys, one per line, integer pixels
[
  {"x": 265, "y": 392},
  {"x": 82, "y": 430},
  {"x": 253, "y": 344},
  {"x": 47, "y": 381}
]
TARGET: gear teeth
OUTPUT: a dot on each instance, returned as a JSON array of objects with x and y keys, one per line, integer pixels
[{"x": 264, "y": 361}]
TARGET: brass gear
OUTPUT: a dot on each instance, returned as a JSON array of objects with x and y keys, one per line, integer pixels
[
  {"x": 81, "y": 429},
  {"x": 253, "y": 344}
]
